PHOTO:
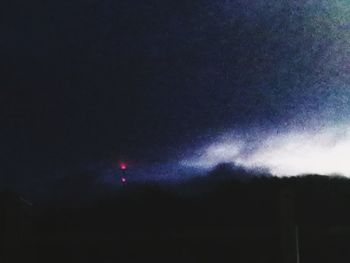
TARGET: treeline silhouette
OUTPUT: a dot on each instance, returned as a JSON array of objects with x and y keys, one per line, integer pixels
[{"x": 229, "y": 215}]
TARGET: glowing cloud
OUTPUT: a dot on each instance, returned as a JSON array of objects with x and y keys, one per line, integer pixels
[{"x": 324, "y": 151}]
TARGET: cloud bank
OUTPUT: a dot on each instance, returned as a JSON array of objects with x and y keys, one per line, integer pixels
[{"x": 325, "y": 150}]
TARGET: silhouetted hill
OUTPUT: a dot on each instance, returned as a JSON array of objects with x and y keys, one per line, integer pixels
[{"x": 199, "y": 218}]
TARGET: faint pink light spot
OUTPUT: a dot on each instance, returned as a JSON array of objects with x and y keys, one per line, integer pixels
[
  {"x": 123, "y": 179},
  {"x": 123, "y": 166}
]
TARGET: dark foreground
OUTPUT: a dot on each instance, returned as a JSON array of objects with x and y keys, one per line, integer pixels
[{"x": 260, "y": 220}]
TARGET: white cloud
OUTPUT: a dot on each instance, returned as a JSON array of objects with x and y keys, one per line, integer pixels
[{"x": 322, "y": 151}]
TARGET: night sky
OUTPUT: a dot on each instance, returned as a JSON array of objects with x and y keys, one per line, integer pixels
[{"x": 173, "y": 85}]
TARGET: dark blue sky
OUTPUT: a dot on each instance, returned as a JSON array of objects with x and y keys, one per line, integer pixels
[{"x": 99, "y": 79}]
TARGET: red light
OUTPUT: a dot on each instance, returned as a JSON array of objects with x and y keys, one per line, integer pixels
[{"x": 123, "y": 166}]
